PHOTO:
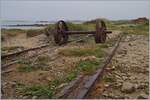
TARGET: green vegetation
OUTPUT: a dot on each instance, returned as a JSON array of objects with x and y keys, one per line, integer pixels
[
  {"x": 12, "y": 32},
  {"x": 34, "y": 32},
  {"x": 79, "y": 27},
  {"x": 47, "y": 91},
  {"x": 109, "y": 79},
  {"x": 41, "y": 91},
  {"x": 43, "y": 59},
  {"x": 87, "y": 66},
  {"x": 82, "y": 67},
  {"x": 42, "y": 62},
  {"x": 130, "y": 27},
  {"x": 39, "y": 64},
  {"x": 96, "y": 51},
  {"x": 25, "y": 66},
  {"x": 138, "y": 26}
]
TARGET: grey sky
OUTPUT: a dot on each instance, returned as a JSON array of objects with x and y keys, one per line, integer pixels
[{"x": 73, "y": 10}]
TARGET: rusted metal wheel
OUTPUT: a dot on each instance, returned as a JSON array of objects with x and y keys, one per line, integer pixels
[
  {"x": 59, "y": 36},
  {"x": 100, "y": 36}
]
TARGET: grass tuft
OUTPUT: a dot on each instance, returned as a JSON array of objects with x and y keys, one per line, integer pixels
[
  {"x": 78, "y": 52},
  {"x": 12, "y": 32},
  {"x": 41, "y": 91},
  {"x": 87, "y": 66},
  {"x": 34, "y": 32},
  {"x": 109, "y": 79},
  {"x": 26, "y": 68}
]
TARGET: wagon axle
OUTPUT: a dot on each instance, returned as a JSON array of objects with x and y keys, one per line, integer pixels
[{"x": 62, "y": 32}]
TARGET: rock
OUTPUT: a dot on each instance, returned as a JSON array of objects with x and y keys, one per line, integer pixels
[
  {"x": 124, "y": 78},
  {"x": 25, "y": 97},
  {"x": 119, "y": 97},
  {"x": 13, "y": 84},
  {"x": 113, "y": 67},
  {"x": 49, "y": 78},
  {"x": 142, "y": 96},
  {"x": 110, "y": 68},
  {"x": 127, "y": 87},
  {"x": 105, "y": 94},
  {"x": 80, "y": 41},
  {"x": 130, "y": 44},
  {"x": 106, "y": 85},
  {"x": 90, "y": 58},
  {"x": 62, "y": 85},
  {"x": 118, "y": 84},
  {"x": 141, "y": 86},
  {"x": 108, "y": 95},
  {"x": 132, "y": 77},
  {"x": 34, "y": 97}
]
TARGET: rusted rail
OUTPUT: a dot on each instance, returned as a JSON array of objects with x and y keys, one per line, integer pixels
[
  {"x": 79, "y": 88},
  {"x": 23, "y": 51},
  {"x": 5, "y": 66}
]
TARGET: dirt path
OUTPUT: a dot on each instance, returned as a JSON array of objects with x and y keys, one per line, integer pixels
[{"x": 128, "y": 74}]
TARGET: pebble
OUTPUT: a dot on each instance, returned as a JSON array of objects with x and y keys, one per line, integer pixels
[
  {"x": 34, "y": 97},
  {"x": 119, "y": 97},
  {"x": 142, "y": 96},
  {"x": 106, "y": 85},
  {"x": 13, "y": 84},
  {"x": 131, "y": 71},
  {"x": 25, "y": 97},
  {"x": 127, "y": 87},
  {"x": 62, "y": 85}
]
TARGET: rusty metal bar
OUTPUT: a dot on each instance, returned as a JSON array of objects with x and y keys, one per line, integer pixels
[
  {"x": 84, "y": 91},
  {"x": 80, "y": 91},
  {"x": 83, "y": 32},
  {"x": 79, "y": 32},
  {"x": 26, "y": 50}
]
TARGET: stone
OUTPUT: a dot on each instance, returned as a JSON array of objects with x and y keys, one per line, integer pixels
[
  {"x": 142, "y": 96},
  {"x": 127, "y": 87},
  {"x": 62, "y": 85},
  {"x": 34, "y": 97},
  {"x": 106, "y": 85},
  {"x": 49, "y": 78},
  {"x": 89, "y": 58},
  {"x": 118, "y": 84},
  {"x": 124, "y": 78},
  {"x": 105, "y": 94},
  {"x": 130, "y": 44},
  {"x": 25, "y": 97},
  {"x": 119, "y": 97},
  {"x": 113, "y": 67},
  {"x": 13, "y": 84}
]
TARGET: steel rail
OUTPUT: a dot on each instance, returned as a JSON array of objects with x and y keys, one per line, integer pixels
[
  {"x": 4, "y": 66},
  {"x": 79, "y": 88}
]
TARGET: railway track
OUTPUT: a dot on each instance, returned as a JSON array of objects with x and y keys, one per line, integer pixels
[
  {"x": 23, "y": 51},
  {"x": 13, "y": 58},
  {"x": 79, "y": 88}
]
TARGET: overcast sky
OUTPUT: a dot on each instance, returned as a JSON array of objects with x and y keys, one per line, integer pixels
[{"x": 73, "y": 10}]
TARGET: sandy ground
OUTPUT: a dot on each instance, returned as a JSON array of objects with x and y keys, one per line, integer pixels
[
  {"x": 131, "y": 59},
  {"x": 127, "y": 77},
  {"x": 24, "y": 41}
]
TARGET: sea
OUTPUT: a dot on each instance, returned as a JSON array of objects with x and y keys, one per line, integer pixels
[
  {"x": 16, "y": 24},
  {"x": 24, "y": 24}
]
